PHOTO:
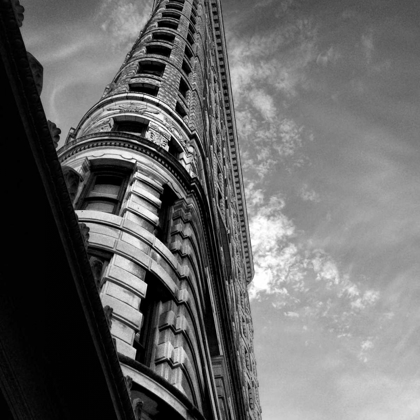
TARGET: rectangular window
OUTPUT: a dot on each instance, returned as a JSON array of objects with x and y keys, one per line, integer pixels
[
  {"x": 151, "y": 67},
  {"x": 180, "y": 110},
  {"x": 168, "y": 24},
  {"x": 133, "y": 127},
  {"x": 144, "y": 88},
  {"x": 104, "y": 191},
  {"x": 188, "y": 53},
  {"x": 183, "y": 88},
  {"x": 163, "y": 36},
  {"x": 175, "y": 6},
  {"x": 190, "y": 39},
  {"x": 174, "y": 148},
  {"x": 168, "y": 199},
  {"x": 171, "y": 15},
  {"x": 186, "y": 67},
  {"x": 158, "y": 50},
  {"x": 145, "y": 341}
]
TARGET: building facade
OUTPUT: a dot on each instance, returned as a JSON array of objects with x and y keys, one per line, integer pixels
[{"x": 153, "y": 170}]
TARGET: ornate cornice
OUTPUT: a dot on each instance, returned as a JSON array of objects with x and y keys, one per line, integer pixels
[{"x": 235, "y": 158}]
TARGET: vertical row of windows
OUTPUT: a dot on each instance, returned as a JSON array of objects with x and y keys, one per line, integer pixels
[{"x": 104, "y": 192}]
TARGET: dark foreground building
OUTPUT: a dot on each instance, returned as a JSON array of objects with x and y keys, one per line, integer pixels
[{"x": 134, "y": 306}]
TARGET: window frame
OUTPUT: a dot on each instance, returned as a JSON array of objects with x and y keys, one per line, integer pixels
[
  {"x": 104, "y": 170},
  {"x": 144, "y": 88}
]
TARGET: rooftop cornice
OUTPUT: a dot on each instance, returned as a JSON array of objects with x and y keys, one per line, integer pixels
[{"x": 223, "y": 64}]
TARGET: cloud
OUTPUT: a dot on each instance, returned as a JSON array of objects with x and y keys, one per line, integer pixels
[
  {"x": 328, "y": 57},
  {"x": 122, "y": 20},
  {"x": 278, "y": 59},
  {"x": 307, "y": 194},
  {"x": 304, "y": 283},
  {"x": 264, "y": 103}
]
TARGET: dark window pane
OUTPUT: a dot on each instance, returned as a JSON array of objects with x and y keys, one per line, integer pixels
[{"x": 131, "y": 127}]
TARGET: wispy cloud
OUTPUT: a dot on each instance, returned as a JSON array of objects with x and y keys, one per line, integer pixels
[
  {"x": 308, "y": 194},
  {"x": 306, "y": 283},
  {"x": 255, "y": 60},
  {"x": 122, "y": 20}
]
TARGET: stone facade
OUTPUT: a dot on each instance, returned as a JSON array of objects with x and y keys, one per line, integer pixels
[{"x": 153, "y": 171}]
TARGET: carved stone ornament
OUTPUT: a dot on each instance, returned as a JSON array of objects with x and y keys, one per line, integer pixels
[
  {"x": 128, "y": 382},
  {"x": 72, "y": 179},
  {"x": 157, "y": 138},
  {"x": 185, "y": 142},
  {"x": 37, "y": 72},
  {"x": 84, "y": 229},
  {"x": 137, "y": 408},
  {"x": 108, "y": 315},
  {"x": 103, "y": 125},
  {"x": 96, "y": 265},
  {"x": 19, "y": 10},
  {"x": 55, "y": 132},
  {"x": 133, "y": 107}
]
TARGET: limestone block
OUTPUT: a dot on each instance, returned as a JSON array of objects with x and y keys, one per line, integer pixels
[
  {"x": 119, "y": 275},
  {"x": 86, "y": 215},
  {"x": 140, "y": 231},
  {"x": 139, "y": 200},
  {"x": 164, "y": 250},
  {"x": 139, "y": 185},
  {"x": 122, "y": 294},
  {"x": 104, "y": 230},
  {"x": 164, "y": 276},
  {"x": 122, "y": 331},
  {"x": 179, "y": 356},
  {"x": 122, "y": 311},
  {"x": 166, "y": 319},
  {"x": 127, "y": 264},
  {"x": 163, "y": 351},
  {"x": 136, "y": 242},
  {"x": 181, "y": 323},
  {"x": 139, "y": 221},
  {"x": 142, "y": 211},
  {"x": 139, "y": 189},
  {"x": 104, "y": 240},
  {"x": 183, "y": 295},
  {"x": 125, "y": 349},
  {"x": 149, "y": 181},
  {"x": 161, "y": 261}
]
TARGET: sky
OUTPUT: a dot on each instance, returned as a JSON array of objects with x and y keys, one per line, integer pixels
[{"x": 327, "y": 99}]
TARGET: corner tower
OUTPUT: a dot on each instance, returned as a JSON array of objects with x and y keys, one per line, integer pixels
[{"x": 154, "y": 171}]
